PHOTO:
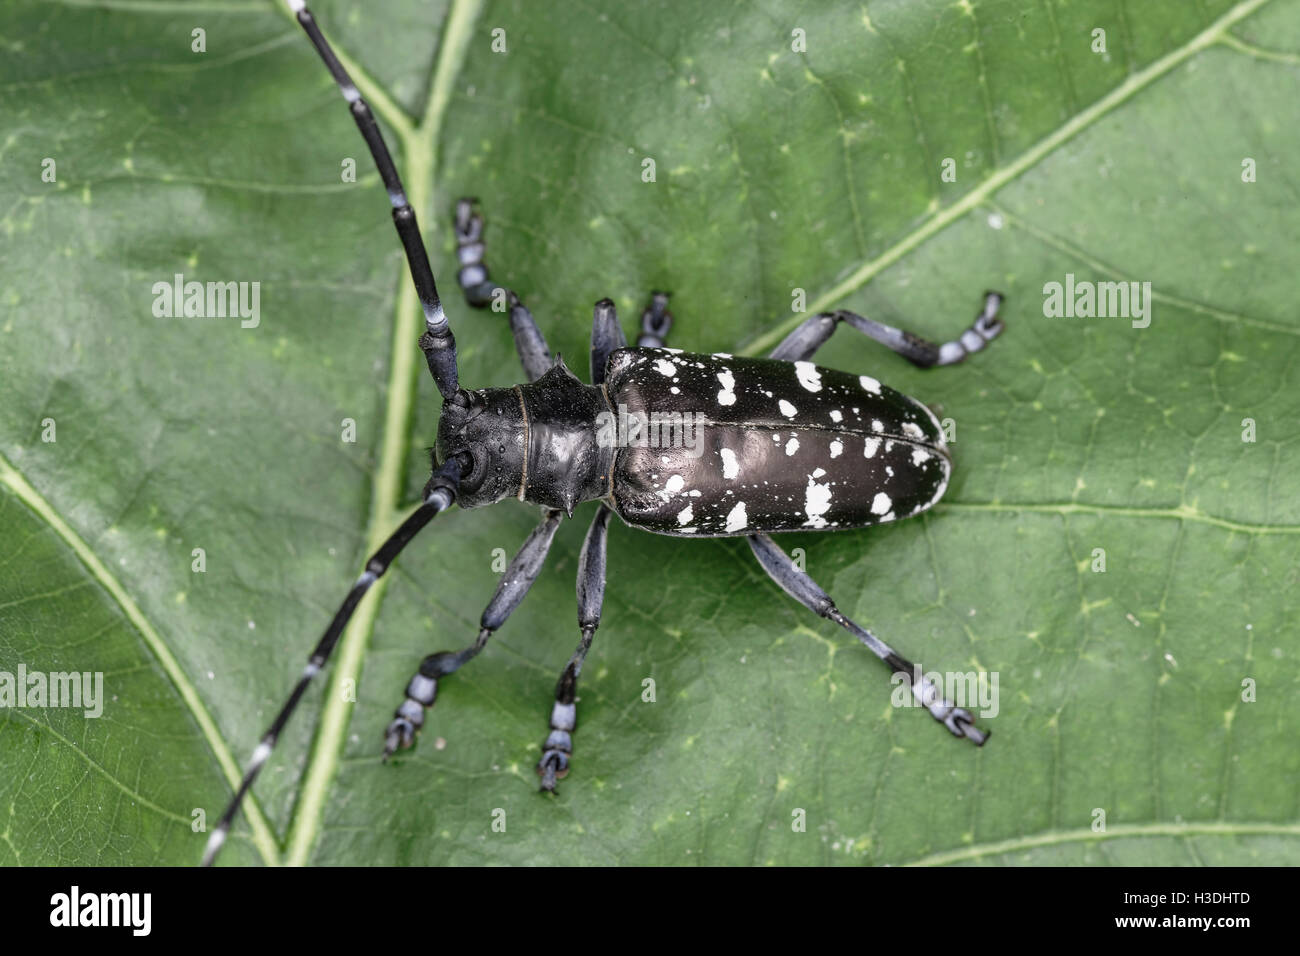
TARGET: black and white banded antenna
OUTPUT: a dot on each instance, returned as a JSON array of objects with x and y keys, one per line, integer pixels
[
  {"x": 439, "y": 495},
  {"x": 439, "y": 347},
  {"x": 438, "y": 344}
]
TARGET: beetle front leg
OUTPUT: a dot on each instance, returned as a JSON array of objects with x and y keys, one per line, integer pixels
[
  {"x": 591, "y": 596},
  {"x": 807, "y": 592},
  {"x": 481, "y": 291},
  {"x": 422, "y": 690},
  {"x": 800, "y": 344}
]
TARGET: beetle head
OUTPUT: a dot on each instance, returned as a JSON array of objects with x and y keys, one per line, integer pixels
[{"x": 488, "y": 425}]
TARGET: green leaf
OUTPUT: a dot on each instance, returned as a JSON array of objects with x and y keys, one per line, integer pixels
[{"x": 775, "y": 170}]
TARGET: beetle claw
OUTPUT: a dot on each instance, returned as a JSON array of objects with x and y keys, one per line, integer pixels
[
  {"x": 987, "y": 323},
  {"x": 399, "y": 736},
  {"x": 553, "y": 766},
  {"x": 960, "y": 722}
]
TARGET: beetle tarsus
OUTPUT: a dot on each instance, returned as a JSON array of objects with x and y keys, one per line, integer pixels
[
  {"x": 656, "y": 322},
  {"x": 400, "y": 735},
  {"x": 987, "y": 324},
  {"x": 553, "y": 766},
  {"x": 958, "y": 720},
  {"x": 962, "y": 724}
]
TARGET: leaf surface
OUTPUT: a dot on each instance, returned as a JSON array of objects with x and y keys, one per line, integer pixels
[{"x": 775, "y": 171}]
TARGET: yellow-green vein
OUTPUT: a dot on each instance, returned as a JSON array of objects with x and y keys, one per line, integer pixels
[
  {"x": 1113, "y": 831},
  {"x": 11, "y": 478},
  {"x": 419, "y": 150},
  {"x": 1006, "y": 174}
]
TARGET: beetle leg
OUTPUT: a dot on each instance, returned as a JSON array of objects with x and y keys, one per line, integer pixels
[
  {"x": 656, "y": 321},
  {"x": 807, "y": 592},
  {"x": 591, "y": 595},
  {"x": 422, "y": 690},
  {"x": 481, "y": 291},
  {"x": 800, "y": 344},
  {"x": 606, "y": 336}
]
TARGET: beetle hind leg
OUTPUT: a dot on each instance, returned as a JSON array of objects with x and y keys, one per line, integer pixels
[
  {"x": 797, "y": 584},
  {"x": 807, "y": 338}
]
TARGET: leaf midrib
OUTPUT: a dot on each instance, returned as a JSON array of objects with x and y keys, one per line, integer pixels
[{"x": 419, "y": 144}]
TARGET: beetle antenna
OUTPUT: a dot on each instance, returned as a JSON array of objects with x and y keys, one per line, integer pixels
[
  {"x": 438, "y": 344},
  {"x": 439, "y": 494}
]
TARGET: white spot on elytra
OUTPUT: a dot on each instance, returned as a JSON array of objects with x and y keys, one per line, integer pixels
[
  {"x": 788, "y": 410},
  {"x": 837, "y": 416},
  {"x": 837, "y": 448},
  {"x": 728, "y": 394},
  {"x": 816, "y": 500},
  {"x": 809, "y": 377},
  {"x": 912, "y": 431},
  {"x": 684, "y": 516},
  {"x": 730, "y": 467},
  {"x": 877, "y": 425},
  {"x": 737, "y": 519},
  {"x": 673, "y": 485},
  {"x": 881, "y": 504},
  {"x": 792, "y": 446},
  {"x": 869, "y": 447},
  {"x": 665, "y": 367},
  {"x": 869, "y": 384},
  {"x": 920, "y": 456}
]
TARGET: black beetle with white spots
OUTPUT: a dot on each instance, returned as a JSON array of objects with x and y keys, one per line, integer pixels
[{"x": 781, "y": 445}]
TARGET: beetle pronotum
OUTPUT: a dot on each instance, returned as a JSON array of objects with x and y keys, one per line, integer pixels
[{"x": 785, "y": 445}]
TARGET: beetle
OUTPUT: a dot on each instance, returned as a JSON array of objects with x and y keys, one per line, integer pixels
[{"x": 775, "y": 444}]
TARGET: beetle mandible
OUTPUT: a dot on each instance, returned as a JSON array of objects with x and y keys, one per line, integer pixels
[{"x": 779, "y": 444}]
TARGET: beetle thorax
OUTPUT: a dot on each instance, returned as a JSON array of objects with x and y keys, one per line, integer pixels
[{"x": 536, "y": 442}]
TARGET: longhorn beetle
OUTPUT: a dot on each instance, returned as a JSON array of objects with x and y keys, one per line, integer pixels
[{"x": 786, "y": 445}]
